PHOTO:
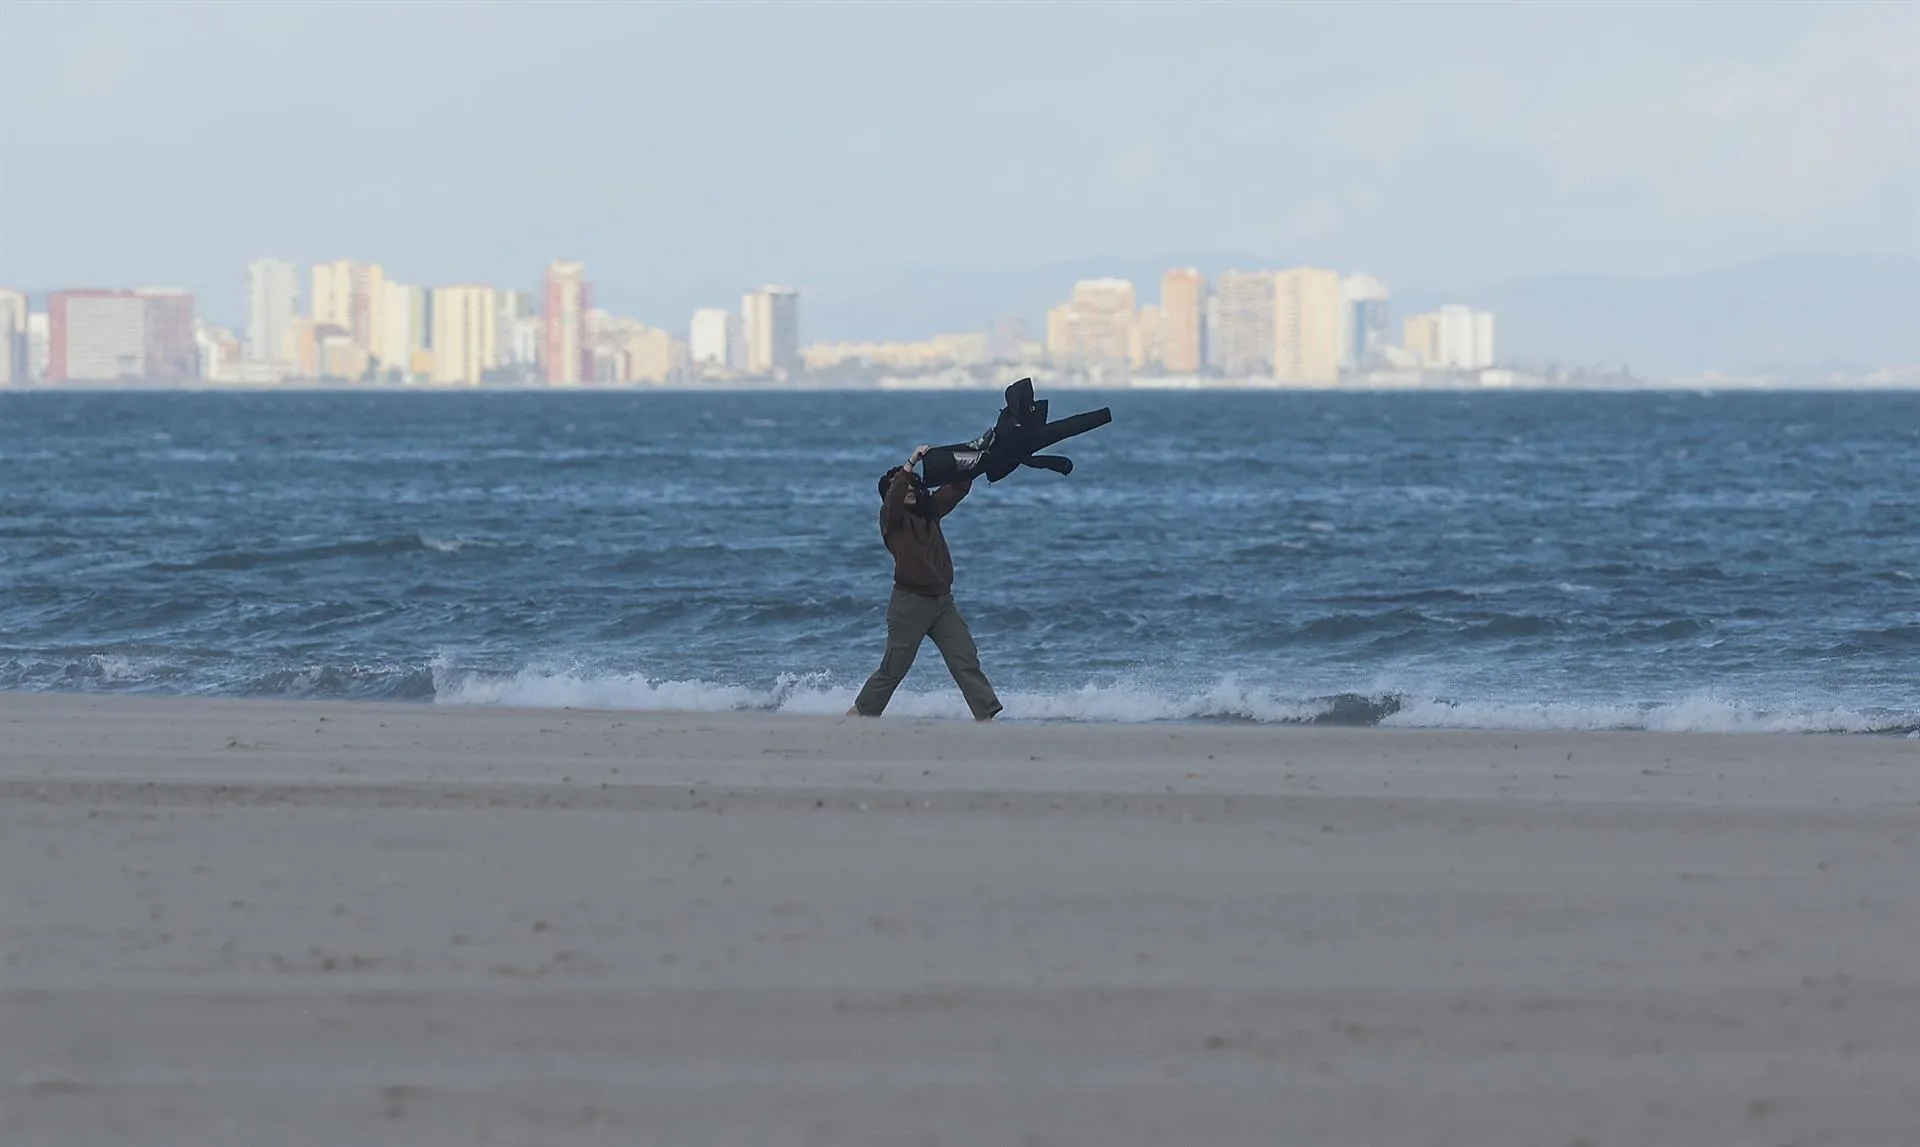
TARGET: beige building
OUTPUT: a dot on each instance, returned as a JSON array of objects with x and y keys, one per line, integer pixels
[
  {"x": 340, "y": 357},
  {"x": 1421, "y": 336},
  {"x": 349, "y": 295},
  {"x": 402, "y": 325},
  {"x": 1183, "y": 321},
  {"x": 1095, "y": 330},
  {"x": 652, "y": 355},
  {"x": 1306, "y": 326},
  {"x": 1144, "y": 351},
  {"x": 465, "y": 338},
  {"x": 299, "y": 348},
  {"x": 1244, "y": 323}
]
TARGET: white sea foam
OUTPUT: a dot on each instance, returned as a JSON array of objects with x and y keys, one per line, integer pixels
[
  {"x": 119, "y": 668},
  {"x": 817, "y": 693},
  {"x": 1227, "y": 699},
  {"x": 1697, "y": 714},
  {"x": 446, "y": 545}
]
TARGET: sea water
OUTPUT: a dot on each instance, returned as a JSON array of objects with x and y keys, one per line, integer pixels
[{"x": 1582, "y": 560}]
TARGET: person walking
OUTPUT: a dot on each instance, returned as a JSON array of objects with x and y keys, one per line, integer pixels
[{"x": 922, "y": 603}]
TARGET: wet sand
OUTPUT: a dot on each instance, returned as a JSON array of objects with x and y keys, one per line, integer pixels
[{"x": 227, "y": 922}]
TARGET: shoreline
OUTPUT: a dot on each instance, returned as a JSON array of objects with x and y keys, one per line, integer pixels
[
  {"x": 96, "y": 737},
  {"x": 1397, "y": 713}
]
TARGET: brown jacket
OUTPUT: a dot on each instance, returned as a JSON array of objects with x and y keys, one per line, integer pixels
[{"x": 921, "y": 563}]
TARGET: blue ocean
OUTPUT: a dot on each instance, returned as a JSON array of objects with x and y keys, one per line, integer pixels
[{"x": 1669, "y": 561}]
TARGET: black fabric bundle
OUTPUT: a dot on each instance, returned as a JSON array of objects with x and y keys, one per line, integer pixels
[{"x": 1015, "y": 440}]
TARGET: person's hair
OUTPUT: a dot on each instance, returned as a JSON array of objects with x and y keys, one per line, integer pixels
[{"x": 887, "y": 480}]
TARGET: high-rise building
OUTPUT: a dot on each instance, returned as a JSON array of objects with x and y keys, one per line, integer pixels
[
  {"x": 347, "y": 295},
  {"x": 1465, "y": 337},
  {"x": 1145, "y": 350},
  {"x": 710, "y": 338},
  {"x": 172, "y": 355},
  {"x": 770, "y": 326},
  {"x": 39, "y": 345},
  {"x": 1183, "y": 321},
  {"x": 1422, "y": 339},
  {"x": 103, "y": 336},
  {"x": 1095, "y": 330},
  {"x": 402, "y": 326},
  {"x": 300, "y": 352},
  {"x": 518, "y": 316},
  {"x": 1212, "y": 358},
  {"x": 525, "y": 338},
  {"x": 465, "y": 334},
  {"x": 13, "y": 337},
  {"x": 96, "y": 336},
  {"x": 221, "y": 355},
  {"x": 1364, "y": 340},
  {"x": 1306, "y": 326},
  {"x": 1455, "y": 337},
  {"x": 330, "y": 302},
  {"x": 565, "y": 299},
  {"x": 1243, "y": 323},
  {"x": 273, "y": 299},
  {"x": 606, "y": 349}
]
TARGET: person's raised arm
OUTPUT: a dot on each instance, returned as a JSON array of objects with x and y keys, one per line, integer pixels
[
  {"x": 893, "y": 513},
  {"x": 949, "y": 495}
]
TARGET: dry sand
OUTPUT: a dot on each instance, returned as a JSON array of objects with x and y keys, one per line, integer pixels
[{"x": 257, "y": 923}]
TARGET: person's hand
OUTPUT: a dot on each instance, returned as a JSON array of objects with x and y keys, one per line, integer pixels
[{"x": 919, "y": 452}]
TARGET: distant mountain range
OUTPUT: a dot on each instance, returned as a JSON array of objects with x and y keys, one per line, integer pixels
[{"x": 1791, "y": 315}]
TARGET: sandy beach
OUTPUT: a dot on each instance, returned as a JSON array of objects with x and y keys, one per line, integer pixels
[{"x": 240, "y": 922}]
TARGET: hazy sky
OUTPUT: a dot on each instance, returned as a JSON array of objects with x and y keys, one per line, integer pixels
[{"x": 724, "y": 144}]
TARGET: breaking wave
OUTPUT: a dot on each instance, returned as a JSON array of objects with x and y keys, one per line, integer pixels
[{"x": 1225, "y": 700}]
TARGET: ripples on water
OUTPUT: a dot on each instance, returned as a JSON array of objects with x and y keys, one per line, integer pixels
[{"x": 1601, "y": 560}]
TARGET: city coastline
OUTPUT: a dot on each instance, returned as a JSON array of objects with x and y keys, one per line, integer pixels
[
  {"x": 1901, "y": 381},
  {"x": 1300, "y": 328}
]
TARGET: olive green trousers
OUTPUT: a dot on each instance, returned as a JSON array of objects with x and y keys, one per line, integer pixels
[{"x": 912, "y": 617}]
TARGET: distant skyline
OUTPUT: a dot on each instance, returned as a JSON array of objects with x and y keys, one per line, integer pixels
[{"x": 687, "y": 152}]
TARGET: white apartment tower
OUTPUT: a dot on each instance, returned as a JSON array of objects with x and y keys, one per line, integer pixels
[
  {"x": 711, "y": 337},
  {"x": 273, "y": 302},
  {"x": 13, "y": 337},
  {"x": 1465, "y": 337}
]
